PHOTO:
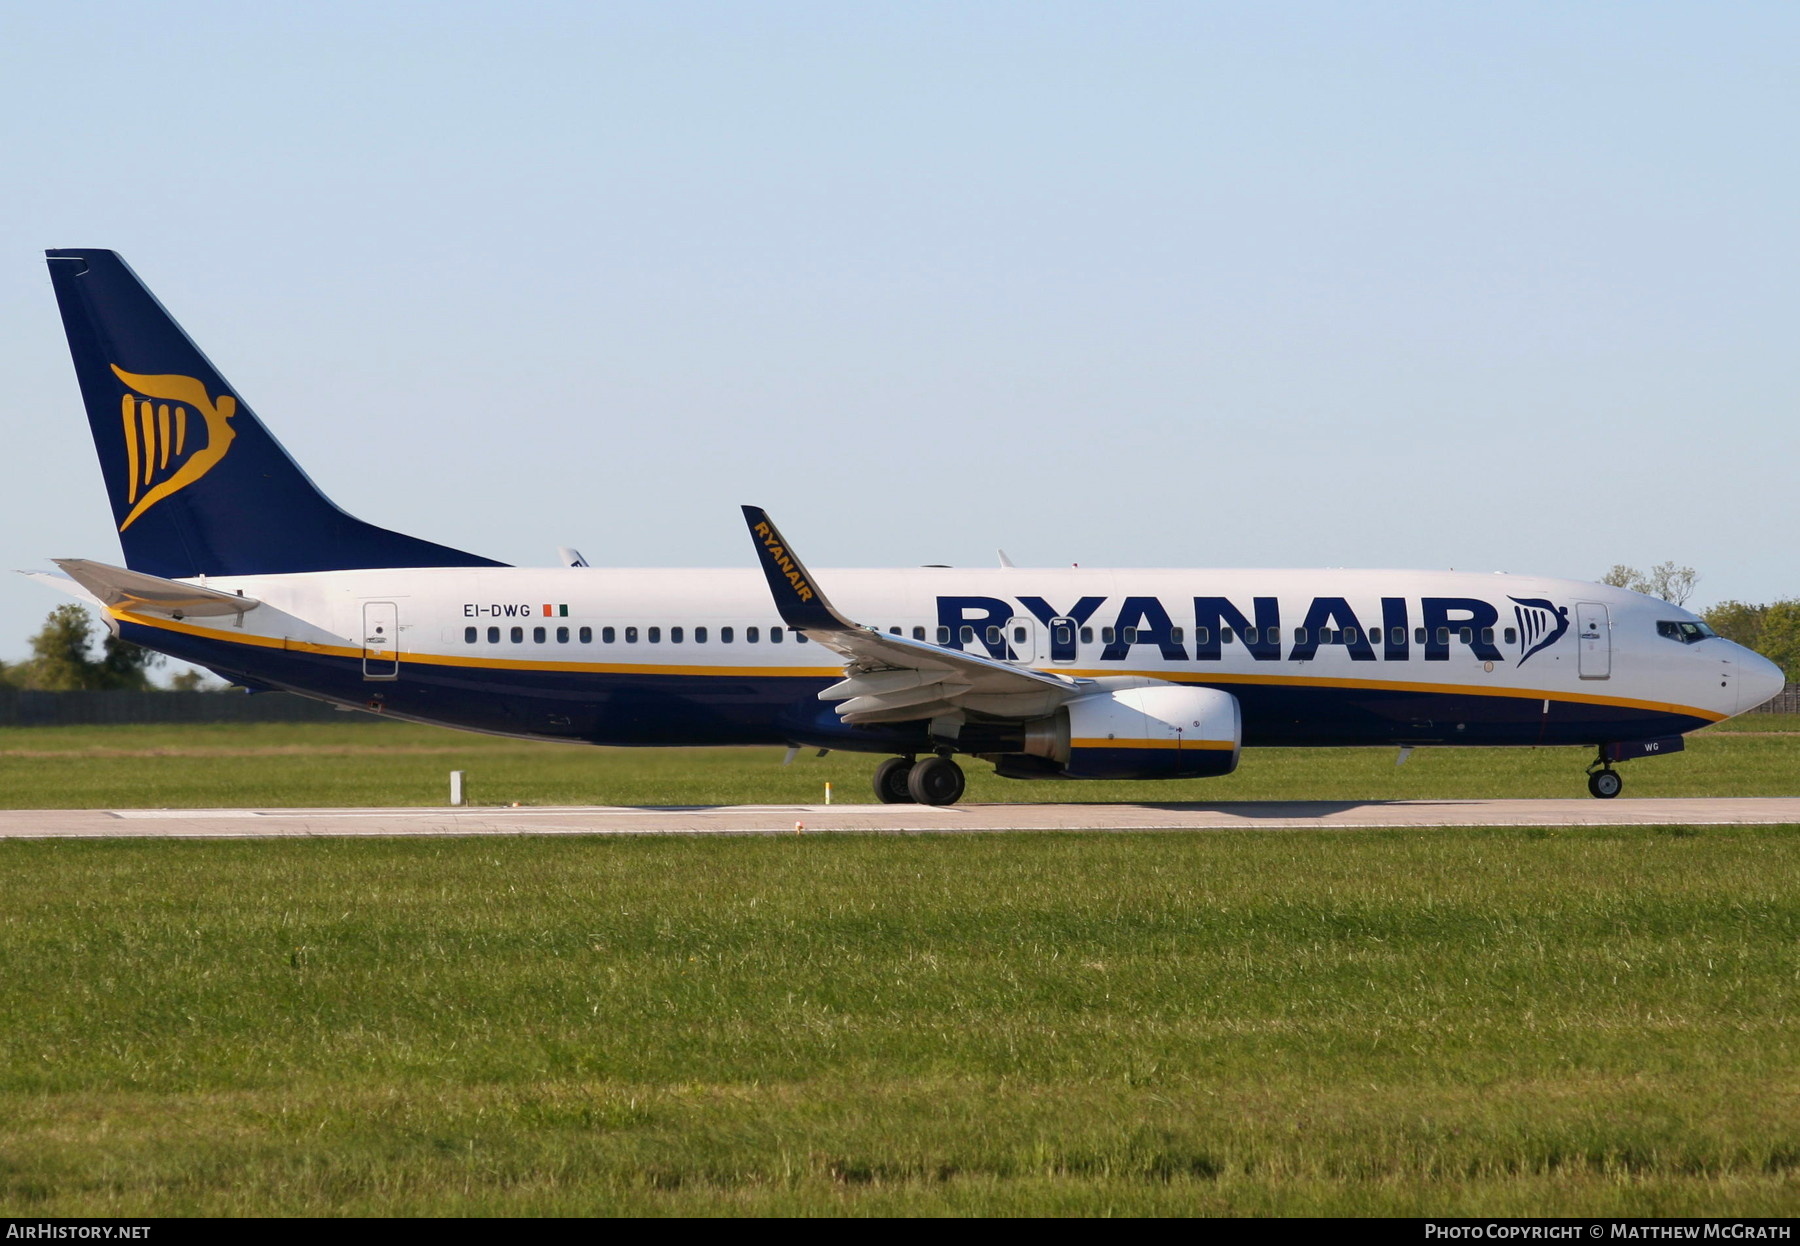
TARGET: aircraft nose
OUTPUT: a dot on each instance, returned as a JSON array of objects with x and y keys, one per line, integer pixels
[{"x": 1759, "y": 679}]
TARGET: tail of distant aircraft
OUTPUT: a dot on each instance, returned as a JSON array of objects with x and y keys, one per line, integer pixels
[{"x": 198, "y": 486}]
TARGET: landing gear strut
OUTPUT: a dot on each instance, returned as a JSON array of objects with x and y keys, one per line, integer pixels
[
  {"x": 1603, "y": 781},
  {"x": 890, "y": 781}
]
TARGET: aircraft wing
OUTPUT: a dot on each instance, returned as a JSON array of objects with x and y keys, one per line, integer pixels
[
  {"x": 151, "y": 594},
  {"x": 891, "y": 678}
]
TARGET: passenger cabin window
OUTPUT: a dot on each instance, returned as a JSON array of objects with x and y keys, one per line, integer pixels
[
  {"x": 968, "y": 635},
  {"x": 518, "y": 635},
  {"x": 586, "y": 635},
  {"x": 1683, "y": 631},
  {"x": 774, "y": 635},
  {"x": 893, "y": 631},
  {"x": 675, "y": 635},
  {"x": 1130, "y": 636},
  {"x": 699, "y": 635},
  {"x": 631, "y": 635},
  {"x": 1443, "y": 636},
  {"x": 607, "y": 635},
  {"x": 1176, "y": 635},
  {"x": 1396, "y": 636},
  {"x": 1299, "y": 635},
  {"x": 1466, "y": 635},
  {"x": 1202, "y": 635},
  {"x": 562, "y": 635},
  {"x": 752, "y": 635},
  {"x": 653, "y": 635},
  {"x": 918, "y": 633},
  {"x": 1512, "y": 635},
  {"x": 799, "y": 638},
  {"x": 1106, "y": 635},
  {"x": 726, "y": 635},
  {"x": 539, "y": 635},
  {"x": 1087, "y": 635},
  {"x": 943, "y": 635},
  {"x": 493, "y": 635},
  {"x": 1352, "y": 636},
  {"x": 1018, "y": 635},
  {"x": 1487, "y": 635},
  {"x": 1418, "y": 636},
  {"x": 469, "y": 635},
  {"x": 993, "y": 635}
]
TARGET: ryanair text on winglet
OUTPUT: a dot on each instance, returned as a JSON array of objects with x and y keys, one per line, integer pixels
[{"x": 779, "y": 557}]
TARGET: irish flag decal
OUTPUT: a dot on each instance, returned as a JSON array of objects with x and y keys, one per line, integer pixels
[{"x": 556, "y": 612}]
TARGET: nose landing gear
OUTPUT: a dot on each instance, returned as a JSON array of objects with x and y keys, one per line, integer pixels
[{"x": 1603, "y": 781}]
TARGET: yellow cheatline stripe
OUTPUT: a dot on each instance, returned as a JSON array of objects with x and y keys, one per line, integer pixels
[
  {"x": 835, "y": 672},
  {"x": 1385, "y": 685},
  {"x": 1222, "y": 745}
]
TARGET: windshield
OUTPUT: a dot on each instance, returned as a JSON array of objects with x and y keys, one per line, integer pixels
[{"x": 1684, "y": 631}]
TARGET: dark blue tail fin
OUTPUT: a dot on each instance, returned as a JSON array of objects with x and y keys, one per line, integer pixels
[{"x": 198, "y": 485}]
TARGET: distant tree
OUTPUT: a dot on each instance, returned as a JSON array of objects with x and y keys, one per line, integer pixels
[
  {"x": 192, "y": 680},
  {"x": 62, "y": 657},
  {"x": 1780, "y": 639},
  {"x": 1671, "y": 583},
  {"x": 1739, "y": 621},
  {"x": 1773, "y": 630}
]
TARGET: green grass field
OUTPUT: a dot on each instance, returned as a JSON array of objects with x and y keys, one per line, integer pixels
[
  {"x": 385, "y": 763},
  {"x": 1450, "y": 1022},
  {"x": 1479, "y": 1022}
]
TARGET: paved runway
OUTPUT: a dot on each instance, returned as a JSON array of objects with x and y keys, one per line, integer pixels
[{"x": 883, "y": 819}]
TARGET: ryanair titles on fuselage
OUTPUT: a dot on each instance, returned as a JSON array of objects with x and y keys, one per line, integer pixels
[{"x": 1535, "y": 625}]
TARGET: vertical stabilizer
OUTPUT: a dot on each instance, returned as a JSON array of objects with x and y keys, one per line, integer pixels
[{"x": 198, "y": 486}]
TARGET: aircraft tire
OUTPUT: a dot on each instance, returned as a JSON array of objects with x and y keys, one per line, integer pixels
[
  {"x": 936, "y": 781},
  {"x": 890, "y": 781},
  {"x": 1605, "y": 784}
]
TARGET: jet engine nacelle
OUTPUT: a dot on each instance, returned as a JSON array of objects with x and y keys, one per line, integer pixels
[{"x": 1162, "y": 731}]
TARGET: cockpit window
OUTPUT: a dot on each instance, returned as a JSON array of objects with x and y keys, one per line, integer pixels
[{"x": 1680, "y": 629}]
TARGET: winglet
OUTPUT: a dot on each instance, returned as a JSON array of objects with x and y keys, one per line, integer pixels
[{"x": 797, "y": 595}]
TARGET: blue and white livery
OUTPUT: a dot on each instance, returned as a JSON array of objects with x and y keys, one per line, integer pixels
[{"x": 235, "y": 561}]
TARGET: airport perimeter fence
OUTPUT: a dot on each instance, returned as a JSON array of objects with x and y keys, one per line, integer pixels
[
  {"x": 86, "y": 709},
  {"x": 83, "y": 709}
]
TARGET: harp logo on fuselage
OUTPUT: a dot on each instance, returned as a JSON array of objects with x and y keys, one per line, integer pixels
[{"x": 174, "y": 434}]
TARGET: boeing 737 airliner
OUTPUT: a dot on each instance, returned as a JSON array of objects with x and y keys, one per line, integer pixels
[{"x": 236, "y": 562}]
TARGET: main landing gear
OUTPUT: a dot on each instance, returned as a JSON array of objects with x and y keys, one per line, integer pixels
[
  {"x": 1603, "y": 781},
  {"x": 929, "y": 781}
]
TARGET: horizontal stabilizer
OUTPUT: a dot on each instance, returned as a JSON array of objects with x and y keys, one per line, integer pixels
[{"x": 117, "y": 588}]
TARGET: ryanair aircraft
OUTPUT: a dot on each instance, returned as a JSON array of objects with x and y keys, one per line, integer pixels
[{"x": 236, "y": 562}]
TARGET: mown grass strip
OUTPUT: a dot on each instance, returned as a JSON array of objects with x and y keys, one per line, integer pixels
[
  {"x": 398, "y": 764},
  {"x": 1475, "y": 1021}
]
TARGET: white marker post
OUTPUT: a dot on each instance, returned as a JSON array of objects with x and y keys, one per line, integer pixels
[
  {"x": 828, "y": 793},
  {"x": 456, "y": 787}
]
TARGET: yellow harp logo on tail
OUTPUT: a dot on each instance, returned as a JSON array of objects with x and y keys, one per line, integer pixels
[{"x": 166, "y": 447}]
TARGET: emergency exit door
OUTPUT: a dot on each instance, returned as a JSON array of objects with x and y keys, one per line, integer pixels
[
  {"x": 1595, "y": 639},
  {"x": 381, "y": 640}
]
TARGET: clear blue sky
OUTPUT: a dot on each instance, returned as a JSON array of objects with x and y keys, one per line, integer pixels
[{"x": 1501, "y": 286}]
